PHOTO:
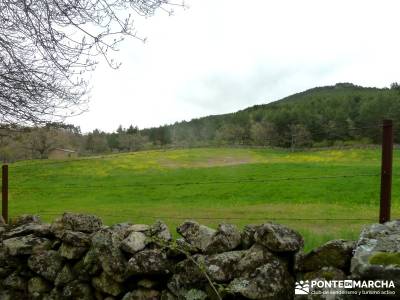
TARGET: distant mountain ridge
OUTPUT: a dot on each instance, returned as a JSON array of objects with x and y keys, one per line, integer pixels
[
  {"x": 338, "y": 87},
  {"x": 321, "y": 115}
]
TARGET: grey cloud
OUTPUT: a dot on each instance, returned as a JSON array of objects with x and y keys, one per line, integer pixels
[{"x": 223, "y": 92}]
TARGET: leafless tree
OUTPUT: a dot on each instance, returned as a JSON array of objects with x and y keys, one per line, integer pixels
[{"x": 48, "y": 46}]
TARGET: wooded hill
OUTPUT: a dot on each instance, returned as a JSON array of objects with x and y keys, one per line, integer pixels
[
  {"x": 343, "y": 114},
  {"x": 321, "y": 116}
]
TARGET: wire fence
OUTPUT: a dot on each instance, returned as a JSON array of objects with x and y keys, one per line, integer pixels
[
  {"x": 72, "y": 187},
  {"x": 166, "y": 217},
  {"x": 216, "y": 182}
]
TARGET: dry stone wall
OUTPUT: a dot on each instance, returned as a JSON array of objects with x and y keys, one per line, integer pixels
[{"x": 77, "y": 257}]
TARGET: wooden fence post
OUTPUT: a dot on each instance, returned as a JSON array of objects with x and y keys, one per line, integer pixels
[
  {"x": 4, "y": 193},
  {"x": 386, "y": 171}
]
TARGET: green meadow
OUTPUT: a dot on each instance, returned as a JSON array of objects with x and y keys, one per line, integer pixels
[{"x": 314, "y": 191}]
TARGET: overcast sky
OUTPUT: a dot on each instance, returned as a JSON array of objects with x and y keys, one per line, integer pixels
[{"x": 220, "y": 56}]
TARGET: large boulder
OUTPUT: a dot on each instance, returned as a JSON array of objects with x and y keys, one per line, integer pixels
[
  {"x": 46, "y": 263},
  {"x": 184, "y": 247},
  {"x": 160, "y": 230},
  {"x": 221, "y": 268},
  {"x": 88, "y": 266},
  {"x": 8, "y": 263},
  {"x": 336, "y": 254},
  {"x": 254, "y": 257},
  {"x": 377, "y": 253},
  {"x": 278, "y": 238},
  {"x": 271, "y": 281},
  {"x": 226, "y": 238},
  {"x": 225, "y": 266},
  {"x": 25, "y": 245},
  {"x": 15, "y": 282},
  {"x": 207, "y": 240},
  {"x": 38, "y": 285},
  {"x": 150, "y": 262},
  {"x": 140, "y": 228},
  {"x": 106, "y": 245},
  {"x": 106, "y": 284},
  {"x": 189, "y": 294},
  {"x": 65, "y": 276},
  {"x": 195, "y": 294},
  {"x": 25, "y": 219},
  {"x": 187, "y": 273},
  {"x": 71, "y": 251},
  {"x": 197, "y": 235},
  {"x": 76, "y": 238},
  {"x": 248, "y": 234},
  {"x": 81, "y": 222},
  {"x": 37, "y": 229},
  {"x": 135, "y": 242}
]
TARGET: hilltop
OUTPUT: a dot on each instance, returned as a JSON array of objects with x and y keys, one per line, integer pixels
[{"x": 319, "y": 116}]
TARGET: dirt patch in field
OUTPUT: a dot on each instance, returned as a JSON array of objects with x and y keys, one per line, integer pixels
[
  {"x": 207, "y": 162},
  {"x": 223, "y": 161}
]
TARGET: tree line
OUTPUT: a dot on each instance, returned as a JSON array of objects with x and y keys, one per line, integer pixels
[
  {"x": 322, "y": 116},
  {"x": 342, "y": 114},
  {"x": 19, "y": 143}
]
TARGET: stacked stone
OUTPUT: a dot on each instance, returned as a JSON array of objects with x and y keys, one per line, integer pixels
[
  {"x": 377, "y": 254},
  {"x": 330, "y": 261},
  {"x": 77, "y": 257},
  {"x": 374, "y": 256},
  {"x": 254, "y": 264}
]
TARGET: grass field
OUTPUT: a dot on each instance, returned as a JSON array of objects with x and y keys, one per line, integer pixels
[{"x": 211, "y": 185}]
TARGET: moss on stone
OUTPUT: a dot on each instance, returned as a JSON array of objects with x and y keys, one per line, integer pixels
[
  {"x": 328, "y": 275},
  {"x": 385, "y": 259}
]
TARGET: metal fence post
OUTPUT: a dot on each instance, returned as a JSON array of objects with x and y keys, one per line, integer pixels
[
  {"x": 4, "y": 193},
  {"x": 386, "y": 171}
]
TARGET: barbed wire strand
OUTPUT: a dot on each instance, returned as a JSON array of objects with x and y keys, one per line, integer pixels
[
  {"x": 312, "y": 133},
  {"x": 218, "y": 218},
  {"x": 267, "y": 180}
]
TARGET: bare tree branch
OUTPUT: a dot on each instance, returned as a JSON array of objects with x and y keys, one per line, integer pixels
[{"x": 47, "y": 47}]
